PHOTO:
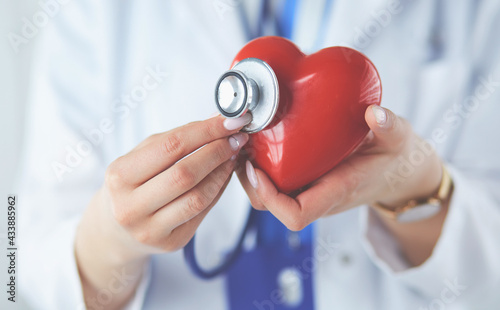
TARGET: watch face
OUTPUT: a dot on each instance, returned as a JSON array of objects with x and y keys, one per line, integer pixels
[{"x": 420, "y": 212}]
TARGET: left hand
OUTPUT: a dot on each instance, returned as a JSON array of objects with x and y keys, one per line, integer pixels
[{"x": 371, "y": 173}]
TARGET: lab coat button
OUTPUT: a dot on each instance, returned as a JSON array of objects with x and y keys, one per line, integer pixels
[
  {"x": 293, "y": 240},
  {"x": 346, "y": 259},
  {"x": 290, "y": 286}
]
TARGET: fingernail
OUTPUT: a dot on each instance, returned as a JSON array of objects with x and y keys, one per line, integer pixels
[
  {"x": 380, "y": 115},
  {"x": 237, "y": 141},
  {"x": 233, "y": 157},
  {"x": 214, "y": 115},
  {"x": 235, "y": 123},
  {"x": 252, "y": 177}
]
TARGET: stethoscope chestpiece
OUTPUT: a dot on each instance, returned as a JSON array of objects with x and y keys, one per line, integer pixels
[{"x": 250, "y": 86}]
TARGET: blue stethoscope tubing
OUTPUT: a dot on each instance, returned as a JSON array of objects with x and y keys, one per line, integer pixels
[
  {"x": 190, "y": 256},
  {"x": 231, "y": 257}
]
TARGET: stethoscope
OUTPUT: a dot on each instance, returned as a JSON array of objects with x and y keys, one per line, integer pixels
[{"x": 250, "y": 86}]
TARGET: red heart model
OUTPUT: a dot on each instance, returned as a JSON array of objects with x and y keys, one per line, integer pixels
[{"x": 320, "y": 118}]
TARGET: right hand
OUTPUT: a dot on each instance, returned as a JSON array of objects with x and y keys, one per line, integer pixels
[{"x": 156, "y": 196}]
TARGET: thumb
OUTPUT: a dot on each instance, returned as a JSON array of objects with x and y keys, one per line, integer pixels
[{"x": 388, "y": 128}]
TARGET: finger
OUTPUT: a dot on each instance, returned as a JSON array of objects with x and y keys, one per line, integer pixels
[
  {"x": 288, "y": 210},
  {"x": 365, "y": 144},
  {"x": 187, "y": 173},
  {"x": 242, "y": 176},
  {"x": 184, "y": 228},
  {"x": 335, "y": 192},
  {"x": 193, "y": 202},
  {"x": 389, "y": 129},
  {"x": 167, "y": 148},
  {"x": 329, "y": 192},
  {"x": 148, "y": 140}
]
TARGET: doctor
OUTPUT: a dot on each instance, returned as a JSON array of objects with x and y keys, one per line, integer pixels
[{"x": 110, "y": 195}]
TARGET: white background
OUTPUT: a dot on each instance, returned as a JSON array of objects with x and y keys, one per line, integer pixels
[{"x": 14, "y": 83}]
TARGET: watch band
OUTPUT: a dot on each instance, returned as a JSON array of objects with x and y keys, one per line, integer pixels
[{"x": 428, "y": 206}]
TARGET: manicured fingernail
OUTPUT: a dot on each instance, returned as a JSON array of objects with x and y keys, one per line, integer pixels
[
  {"x": 252, "y": 177},
  {"x": 380, "y": 115},
  {"x": 233, "y": 157},
  {"x": 235, "y": 123},
  {"x": 237, "y": 141},
  {"x": 214, "y": 115}
]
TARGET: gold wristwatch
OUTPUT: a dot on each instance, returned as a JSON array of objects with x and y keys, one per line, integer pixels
[{"x": 419, "y": 209}]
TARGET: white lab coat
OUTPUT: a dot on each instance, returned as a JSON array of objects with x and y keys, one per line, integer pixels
[{"x": 434, "y": 57}]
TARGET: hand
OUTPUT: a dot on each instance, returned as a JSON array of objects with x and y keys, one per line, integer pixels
[
  {"x": 155, "y": 197},
  {"x": 359, "y": 179}
]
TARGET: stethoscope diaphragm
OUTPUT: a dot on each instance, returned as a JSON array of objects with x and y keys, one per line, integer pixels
[{"x": 250, "y": 86}]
